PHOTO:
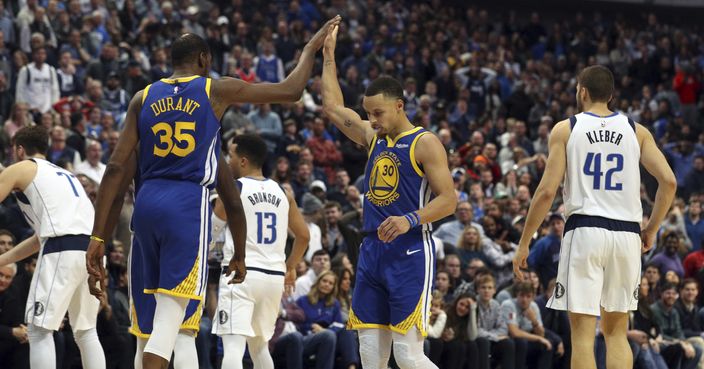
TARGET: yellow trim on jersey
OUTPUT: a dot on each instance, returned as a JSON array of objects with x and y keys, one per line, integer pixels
[
  {"x": 413, "y": 320},
  {"x": 392, "y": 142},
  {"x": 413, "y": 154},
  {"x": 145, "y": 93},
  {"x": 172, "y": 293},
  {"x": 371, "y": 147},
  {"x": 192, "y": 323},
  {"x": 353, "y": 322},
  {"x": 207, "y": 86},
  {"x": 179, "y": 80}
]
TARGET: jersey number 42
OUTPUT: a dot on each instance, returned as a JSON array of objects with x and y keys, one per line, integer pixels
[{"x": 594, "y": 160}]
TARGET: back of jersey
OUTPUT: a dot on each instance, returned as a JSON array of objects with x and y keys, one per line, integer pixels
[
  {"x": 55, "y": 203},
  {"x": 603, "y": 168},
  {"x": 266, "y": 209},
  {"x": 178, "y": 132}
]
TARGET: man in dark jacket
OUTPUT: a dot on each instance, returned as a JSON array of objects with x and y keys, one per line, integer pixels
[{"x": 14, "y": 350}]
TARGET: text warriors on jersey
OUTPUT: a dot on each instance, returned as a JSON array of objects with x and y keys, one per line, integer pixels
[{"x": 384, "y": 179}]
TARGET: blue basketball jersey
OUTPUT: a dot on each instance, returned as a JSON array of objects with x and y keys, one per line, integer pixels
[
  {"x": 179, "y": 132},
  {"x": 395, "y": 183}
]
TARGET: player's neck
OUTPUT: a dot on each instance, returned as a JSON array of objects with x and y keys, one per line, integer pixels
[
  {"x": 184, "y": 72},
  {"x": 403, "y": 127},
  {"x": 254, "y": 174},
  {"x": 35, "y": 156},
  {"x": 601, "y": 109}
]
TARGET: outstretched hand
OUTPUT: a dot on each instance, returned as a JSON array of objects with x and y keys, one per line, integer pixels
[
  {"x": 316, "y": 42},
  {"x": 330, "y": 42},
  {"x": 95, "y": 267}
]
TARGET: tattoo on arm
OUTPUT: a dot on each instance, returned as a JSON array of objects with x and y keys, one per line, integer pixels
[
  {"x": 329, "y": 62},
  {"x": 348, "y": 123}
]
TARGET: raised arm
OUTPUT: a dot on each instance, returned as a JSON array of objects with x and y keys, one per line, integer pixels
[
  {"x": 345, "y": 119},
  {"x": 655, "y": 163},
  {"x": 231, "y": 90},
  {"x": 545, "y": 193}
]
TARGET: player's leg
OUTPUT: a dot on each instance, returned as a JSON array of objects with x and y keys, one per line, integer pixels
[
  {"x": 408, "y": 350},
  {"x": 259, "y": 351},
  {"x": 185, "y": 354},
  {"x": 375, "y": 348},
  {"x": 583, "y": 328},
  {"x": 169, "y": 311},
  {"x": 42, "y": 353},
  {"x": 139, "y": 352},
  {"x": 233, "y": 346},
  {"x": 614, "y": 326}
]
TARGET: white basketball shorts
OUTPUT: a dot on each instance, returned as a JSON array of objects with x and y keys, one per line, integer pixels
[
  {"x": 60, "y": 284},
  {"x": 251, "y": 307},
  {"x": 599, "y": 266}
]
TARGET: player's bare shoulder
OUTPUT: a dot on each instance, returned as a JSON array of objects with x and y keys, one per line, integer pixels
[{"x": 428, "y": 147}]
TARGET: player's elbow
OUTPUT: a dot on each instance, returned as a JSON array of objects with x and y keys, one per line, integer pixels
[
  {"x": 669, "y": 182},
  {"x": 303, "y": 236},
  {"x": 329, "y": 109},
  {"x": 451, "y": 203}
]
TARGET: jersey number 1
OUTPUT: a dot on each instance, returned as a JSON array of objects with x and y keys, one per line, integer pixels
[
  {"x": 594, "y": 160},
  {"x": 270, "y": 219}
]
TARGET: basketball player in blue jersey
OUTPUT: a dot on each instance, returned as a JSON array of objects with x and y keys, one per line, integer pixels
[
  {"x": 406, "y": 165},
  {"x": 174, "y": 123},
  {"x": 598, "y": 153}
]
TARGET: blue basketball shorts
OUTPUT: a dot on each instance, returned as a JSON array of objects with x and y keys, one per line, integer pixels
[{"x": 394, "y": 283}]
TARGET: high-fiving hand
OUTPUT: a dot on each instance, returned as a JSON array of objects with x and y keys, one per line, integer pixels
[{"x": 316, "y": 42}]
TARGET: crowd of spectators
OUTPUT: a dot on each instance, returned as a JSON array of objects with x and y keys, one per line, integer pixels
[{"x": 490, "y": 84}]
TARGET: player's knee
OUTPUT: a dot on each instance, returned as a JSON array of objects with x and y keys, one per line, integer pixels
[
  {"x": 35, "y": 333},
  {"x": 407, "y": 356},
  {"x": 85, "y": 335}
]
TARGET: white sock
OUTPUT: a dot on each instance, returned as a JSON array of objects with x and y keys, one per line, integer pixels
[
  {"x": 408, "y": 351},
  {"x": 92, "y": 354},
  {"x": 185, "y": 354},
  {"x": 233, "y": 346},
  {"x": 259, "y": 351},
  {"x": 139, "y": 354},
  {"x": 374, "y": 348},
  {"x": 42, "y": 353},
  {"x": 168, "y": 316}
]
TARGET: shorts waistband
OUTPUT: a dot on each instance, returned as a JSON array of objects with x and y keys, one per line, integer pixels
[
  {"x": 579, "y": 221},
  {"x": 375, "y": 235},
  {"x": 261, "y": 270},
  {"x": 73, "y": 242}
]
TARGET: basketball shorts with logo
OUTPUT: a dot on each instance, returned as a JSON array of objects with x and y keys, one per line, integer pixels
[
  {"x": 143, "y": 305},
  {"x": 60, "y": 284},
  {"x": 251, "y": 307},
  {"x": 599, "y": 266},
  {"x": 394, "y": 283}
]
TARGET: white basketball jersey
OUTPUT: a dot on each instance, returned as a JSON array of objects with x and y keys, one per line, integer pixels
[
  {"x": 266, "y": 209},
  {"x": 603, "y": 168},
  {"x": 55, "y": 204}
]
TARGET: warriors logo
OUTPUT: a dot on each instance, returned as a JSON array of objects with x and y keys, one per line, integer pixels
[{"x": 383, "y": 181}]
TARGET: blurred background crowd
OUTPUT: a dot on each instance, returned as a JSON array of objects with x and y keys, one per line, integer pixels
[{"x": 490, "y": 82}]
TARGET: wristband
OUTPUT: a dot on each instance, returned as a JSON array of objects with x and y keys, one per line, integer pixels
[
  {"x": 413, "y": 219},
  {"x": 96, "y": 238}
]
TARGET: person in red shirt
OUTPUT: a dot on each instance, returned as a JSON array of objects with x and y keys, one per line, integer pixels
[
  {"x": 325, "y": 152},
  {"x": 687, "y": 87}
]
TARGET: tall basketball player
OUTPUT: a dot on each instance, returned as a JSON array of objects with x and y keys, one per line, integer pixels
[
  {"x": 247, "y": 312},
  {"x": 406, "y": 165},
  {"x": 174, "y": 123},
  {"x": 55, "y": 205},
  {"x": 598, "y": 153}
]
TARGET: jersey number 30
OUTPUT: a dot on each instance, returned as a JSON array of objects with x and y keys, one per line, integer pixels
[
  {"x": 594, "y": 160},
  {"x": 269, "y": 228},
  {"x": 170, "y": 141}
]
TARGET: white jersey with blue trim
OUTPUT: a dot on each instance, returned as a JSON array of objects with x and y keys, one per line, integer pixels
[
  {"x": 55, "y": 204},
  {"x": 603, "y": 168},
  {"x": 266, "y": 209}
]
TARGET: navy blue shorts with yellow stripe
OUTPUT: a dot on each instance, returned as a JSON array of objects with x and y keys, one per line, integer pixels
[
  {"x": 394, "y": 283},
  {"x": 143, "y": 305}
]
